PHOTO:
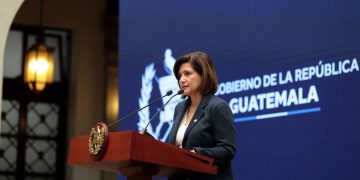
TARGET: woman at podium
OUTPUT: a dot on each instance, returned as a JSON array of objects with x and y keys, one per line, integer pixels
[{"x": 203, "y": 123}]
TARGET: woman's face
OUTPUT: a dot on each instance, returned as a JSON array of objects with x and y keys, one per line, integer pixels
[{"x": 189, "y": 80}]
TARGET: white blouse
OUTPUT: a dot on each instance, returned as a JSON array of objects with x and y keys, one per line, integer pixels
[{"x": 181, "y": 131}]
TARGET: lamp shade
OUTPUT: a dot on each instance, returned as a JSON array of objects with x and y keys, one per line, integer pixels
[{"x": 39, "y": 67}]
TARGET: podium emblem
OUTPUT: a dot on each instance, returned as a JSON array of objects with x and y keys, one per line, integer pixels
[{"x": 98, "y": 140}]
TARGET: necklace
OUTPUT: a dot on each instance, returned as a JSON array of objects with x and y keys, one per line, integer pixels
[
  {"x": 190, "y": 113},
  {"x": 187, "y": 118}
]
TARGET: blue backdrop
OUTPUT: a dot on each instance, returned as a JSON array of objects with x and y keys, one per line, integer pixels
[{"x": 288, "y": 69}]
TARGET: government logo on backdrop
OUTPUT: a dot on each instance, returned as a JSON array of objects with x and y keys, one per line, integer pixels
[{"x": 165, "y": 83}]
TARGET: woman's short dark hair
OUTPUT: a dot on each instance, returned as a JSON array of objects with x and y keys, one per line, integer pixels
[{"x": 202, "y": 64}]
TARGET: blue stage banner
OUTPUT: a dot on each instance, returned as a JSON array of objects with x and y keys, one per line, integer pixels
[{"x": 288, "y": 69}]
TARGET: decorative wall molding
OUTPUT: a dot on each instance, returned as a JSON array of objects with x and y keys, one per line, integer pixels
[{"x": 8, "y": 11}]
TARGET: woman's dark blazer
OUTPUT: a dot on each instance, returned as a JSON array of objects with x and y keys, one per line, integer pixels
[{"x": 210, "y": 133}]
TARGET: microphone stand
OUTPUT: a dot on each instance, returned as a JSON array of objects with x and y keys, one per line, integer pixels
[
  {"x": 144, "y": 130},
  {"x": 167, "y": 94}
]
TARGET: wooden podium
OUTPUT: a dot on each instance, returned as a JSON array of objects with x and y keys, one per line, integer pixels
[{"x": 140, "y": 157}]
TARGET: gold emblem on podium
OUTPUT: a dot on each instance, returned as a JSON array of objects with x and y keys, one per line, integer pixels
[{"x": 98, "y": 141}]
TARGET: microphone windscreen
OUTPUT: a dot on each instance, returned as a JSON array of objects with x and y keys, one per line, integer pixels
[
  {"x": 169, "y": 92},
  {"x": 180, "y": 91}
]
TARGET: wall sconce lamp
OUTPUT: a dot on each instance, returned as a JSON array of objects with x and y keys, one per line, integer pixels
[
  {"x": 39, "y": 66},
  {"x": 39, "y": 62}
]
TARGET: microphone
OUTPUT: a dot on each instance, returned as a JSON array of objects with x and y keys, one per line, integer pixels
[
  {"x": 167, "y": 94},
  {"x": 144, "y": 131}
]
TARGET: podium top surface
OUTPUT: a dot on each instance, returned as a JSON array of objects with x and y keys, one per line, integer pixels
[{"x": 128, "y": 149}]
